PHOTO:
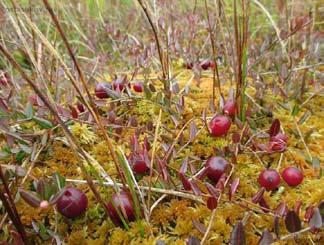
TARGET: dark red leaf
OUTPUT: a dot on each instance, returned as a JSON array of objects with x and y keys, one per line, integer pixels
[
  {"x": 31, "y": 198},
  {"x": 40, "y": 188},
  {"x": 185, "y": 182},
  {"x": 309, "y": 213},
  {"x": 264, "y": 205},
  {"x": 184, "y": 166},
  {"x": 281, "y": 209},
  {"x": 292, "y": 221},
  {"x": 74, "y": 112},
  {"x": 212, "y": 203},
  {"x": 316, "y": 219},
  {"x": 266, "y": 238},
  {"x": 258, "y": 196},
  {"x": 234, "y": 186},
  {"x": 134, "y": 143},
  {"x": 165, "y": 173},
  {"x": 146, "y": 144},
  {"x": 192, "y": 168},
  {"x": 297, "y": 206},
  {"x": 236, "y": 137},
  {"x": 276, "y": 226},
  {"x": 221, "y": 182},
  {"x": 212, "y": 190},
  {"x": 195, "y": 188},
  {"x": 193, "y": 130},
  {"x": 238, "y": 235},
  {"x": 199, "y": 226},
  {"x": 275, "y": 128},
  {"x": 3, "y": 105}
]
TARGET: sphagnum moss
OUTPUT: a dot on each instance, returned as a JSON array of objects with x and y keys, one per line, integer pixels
[{"x": 171, "y": 220}]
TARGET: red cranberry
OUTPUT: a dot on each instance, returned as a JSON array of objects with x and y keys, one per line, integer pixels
[
  {"x": 219, "y": 125},
  {"x": 101, "y": 90},
  {"x": 123, "y": 203},
  {"x": 292, "y": 176},
  {"x": 215, "y": 168},
  {"x": 206, "y": 64},
  {"x": 139, "y": 165},
  {"x": 269, "y": 179},
  {"x": 72, "y": 203},
  {"x": 229, "y": 108},
  {"x": 138, "y": 87},
  {"x": 80, "y": 107},
  {"x": 188, "y": 65},
  {"x": 120, "y": 84}
]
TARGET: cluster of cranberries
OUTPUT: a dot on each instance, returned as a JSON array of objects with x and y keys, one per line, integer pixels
[
  {"x": 204, "y": 65},
  {"x": 270, "y": 178},
  {"x": 102, "y": 88},
  {"x": 73, "y": 203},
  {"x": 220, "y": 124}
]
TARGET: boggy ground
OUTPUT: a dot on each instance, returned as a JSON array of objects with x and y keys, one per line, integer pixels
[{"x": 175, "y": 219}]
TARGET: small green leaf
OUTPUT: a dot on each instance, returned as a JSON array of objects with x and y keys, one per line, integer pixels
[
  {"x": 59, "y": 180},
  {"x": 43, "y": 232},
  {"x": 42, "y": 122},
  {"x": 29, "y": 110},
  {"x": 130, "y": 181},
  {"x": 295, "y": 110},
  {"x": 20, "y": 156}
]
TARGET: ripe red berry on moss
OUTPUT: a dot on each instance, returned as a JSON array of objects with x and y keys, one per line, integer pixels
[
  {"x": 229, "y": 108},
  {"x": 138, "y": 87},
  {"x": 101, "y": 90},
  {"x": 292, "y": 176},
  {"x": 72, "y": 203},
  {"x": 219, "y": 125},
  {"x": 215, "y": 168},
  {"x": 123, "y": 203},
  {"x": 269, "y": 179}
]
